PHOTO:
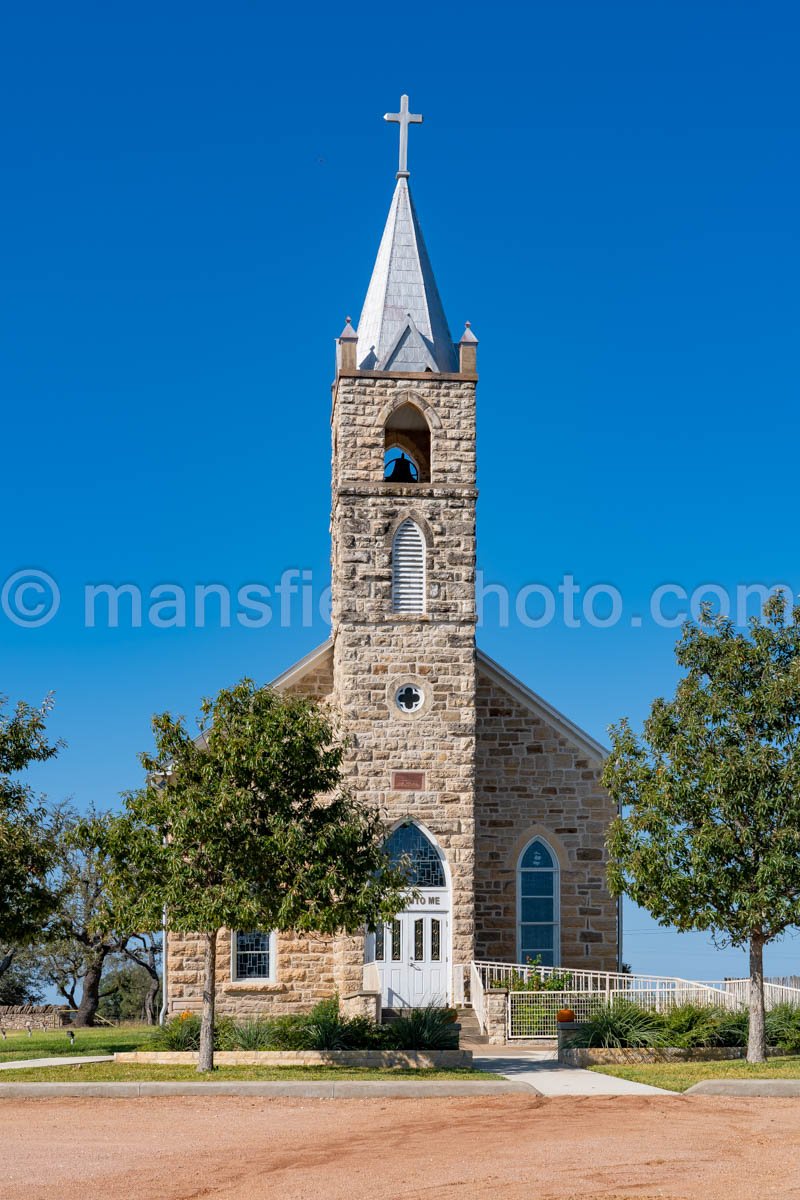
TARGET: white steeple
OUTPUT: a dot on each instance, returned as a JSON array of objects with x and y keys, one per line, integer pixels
[{"x": 402, "y": 325}]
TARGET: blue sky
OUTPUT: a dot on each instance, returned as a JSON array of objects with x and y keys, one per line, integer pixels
[{"x": 191, "y": 198}]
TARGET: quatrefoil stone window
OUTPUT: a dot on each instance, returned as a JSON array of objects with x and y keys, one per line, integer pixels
[{"x": 409, "y": 698}]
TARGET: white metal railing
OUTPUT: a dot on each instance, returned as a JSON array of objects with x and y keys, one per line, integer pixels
[
  {"x": 511, "y": 975},
  {"x": 774, "y": 993},
  {"x": 476, "y": 995},
  {"x": 780, "y": 993},
  {"x": 531, "y": 1012}
]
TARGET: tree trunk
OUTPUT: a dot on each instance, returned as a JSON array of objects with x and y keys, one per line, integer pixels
[
  {"x": 90, "y": 995},
  {"x": 206, "y": 1058},
  {"x": 757, "y": 1035},
  {"x": 150, "y": 1014}
]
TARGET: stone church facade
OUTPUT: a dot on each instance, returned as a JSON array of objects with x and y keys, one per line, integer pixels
[{"x": 493, "y": 795}]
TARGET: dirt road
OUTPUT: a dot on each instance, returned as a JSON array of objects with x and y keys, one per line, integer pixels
[{"x": 510, "y": 1147}]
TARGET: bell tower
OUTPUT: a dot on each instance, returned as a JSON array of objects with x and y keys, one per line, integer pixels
[{"x": 403, "y": 566}]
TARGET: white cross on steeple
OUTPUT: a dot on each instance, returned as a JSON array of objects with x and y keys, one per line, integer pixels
[{"x": 404, "y": 118}]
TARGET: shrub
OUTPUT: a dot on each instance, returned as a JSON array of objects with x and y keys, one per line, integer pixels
[
  {"x": 254, "y": 1034},
  {"x": 619, "y": 1024},
  {"x": 180, "y": 1033},
  {"x": 532, "y": 981},
  {"x": 429, "y": 1028},
  {"x": 690, "y": 1025},
  {"x": 341, "y": 1033},
  {"x": 730, "y": 1027},
  {"x": 783, "y": 1027},
  {"x": 288, "y": 1033},
  {"x": 183, "y": 1033}
]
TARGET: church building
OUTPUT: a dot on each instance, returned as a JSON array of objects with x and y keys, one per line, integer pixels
[{"x": 494, "y": 795}]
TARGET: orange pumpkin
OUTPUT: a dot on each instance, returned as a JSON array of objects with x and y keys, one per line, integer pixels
[{"x": 565, "y": 1014}]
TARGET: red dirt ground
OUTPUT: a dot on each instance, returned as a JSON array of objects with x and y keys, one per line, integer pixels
[{"x": 508, "y": 1146}]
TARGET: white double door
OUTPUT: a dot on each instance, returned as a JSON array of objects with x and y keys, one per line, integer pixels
[{"x": 413, "y": 957}]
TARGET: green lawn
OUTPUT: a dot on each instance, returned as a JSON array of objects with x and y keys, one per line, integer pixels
[
  {"x": 102, "y": 1040},
  {"x": 143, "y": 1072},
  {"x": 678, "y": 1076}
]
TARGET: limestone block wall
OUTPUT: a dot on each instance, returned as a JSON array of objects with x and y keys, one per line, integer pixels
[
  {"x": 376, "y": 651},
  {"x": 532, "y": 780},
  {"x": 303, "y": 976},
  {"x": 439, "y": 740},
  {"x": 316, "y": 683},
  {"x": 366, "y": 509}
]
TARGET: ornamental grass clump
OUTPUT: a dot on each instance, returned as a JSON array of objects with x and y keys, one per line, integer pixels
[
  {"x": 783, "y": 1028},
  {"x": 689, "y": 1025},
  {"x": 429, "y": 1028},
  {"x": 253, "y": 1034},
  {"x": 183, "y": 1033},
  {"x": 619, "y": 1024},
  {"x": 333, "y": 1032}
]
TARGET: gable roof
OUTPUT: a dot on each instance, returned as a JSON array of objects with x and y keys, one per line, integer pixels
[
  {"x": 308, "y": 662},
  {"x": 536, "y": 704},
  {"x": 497, "y": 674}
]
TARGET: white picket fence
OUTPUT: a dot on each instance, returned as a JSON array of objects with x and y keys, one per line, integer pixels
[{"x": 532, "y": 1014}]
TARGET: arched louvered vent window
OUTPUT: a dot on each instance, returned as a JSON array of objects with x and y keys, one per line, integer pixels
[{"x": 408, "y": 569}]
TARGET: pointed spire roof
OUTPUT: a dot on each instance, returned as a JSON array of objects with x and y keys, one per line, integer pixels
[{"x": 402, "y": 325}]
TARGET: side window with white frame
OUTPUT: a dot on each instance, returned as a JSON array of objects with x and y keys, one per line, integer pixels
[
  {"x": 408, "y": 569},
  {"x": 253, "y": 956},
  {"x": 538, "y": 902}
]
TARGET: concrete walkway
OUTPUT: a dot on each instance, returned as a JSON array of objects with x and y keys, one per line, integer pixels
[
  {"x": 61, "y": 1060},
  {"x": 540, "y": 1070}
]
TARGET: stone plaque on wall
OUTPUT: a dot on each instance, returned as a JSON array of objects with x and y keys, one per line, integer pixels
[{"x": 408, "y": 781}]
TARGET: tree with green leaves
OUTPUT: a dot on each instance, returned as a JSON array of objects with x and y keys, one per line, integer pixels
[
  {"x": 708, "y": 836},
  {"x": 23, "y": 982},
  {"x": 248, "y": 826},
  {"x": 82, "y": 933},
  {"x": 131, "y": 988},
  {"x": 27, "y": 838}
]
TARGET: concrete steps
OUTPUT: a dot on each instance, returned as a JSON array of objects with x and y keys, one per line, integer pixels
[{"x": 470, "y": 1029}]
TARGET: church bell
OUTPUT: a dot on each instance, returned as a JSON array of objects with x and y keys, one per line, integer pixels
[{"x": 401, "y": 471}]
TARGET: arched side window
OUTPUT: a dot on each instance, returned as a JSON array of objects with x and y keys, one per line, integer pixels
[
  {"x": 408, "y": 845},
  {"x": 538, "y": 896},
  {"x": 408, "y": 569}
]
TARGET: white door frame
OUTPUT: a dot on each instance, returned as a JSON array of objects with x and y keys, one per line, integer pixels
[
  {"x": 431, "y": 902},
  {"x": 397, "y": 975}
]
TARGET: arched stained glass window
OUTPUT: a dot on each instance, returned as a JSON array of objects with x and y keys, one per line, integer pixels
[
  {"x": 425, "y": 867},
  {"x": 538, "y": 895}
]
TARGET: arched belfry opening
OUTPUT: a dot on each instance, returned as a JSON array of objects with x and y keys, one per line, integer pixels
[{"x": 407, "y": 446}]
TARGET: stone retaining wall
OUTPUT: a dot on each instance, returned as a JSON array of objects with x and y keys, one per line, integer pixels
[
  {"x": 35, "y": 1016},
  {"x": 612, "y": 1056},
  {"x": 425, "y": 1059}
]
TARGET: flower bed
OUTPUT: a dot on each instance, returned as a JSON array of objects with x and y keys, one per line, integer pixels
[{"x": 323, "y": 1029}]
